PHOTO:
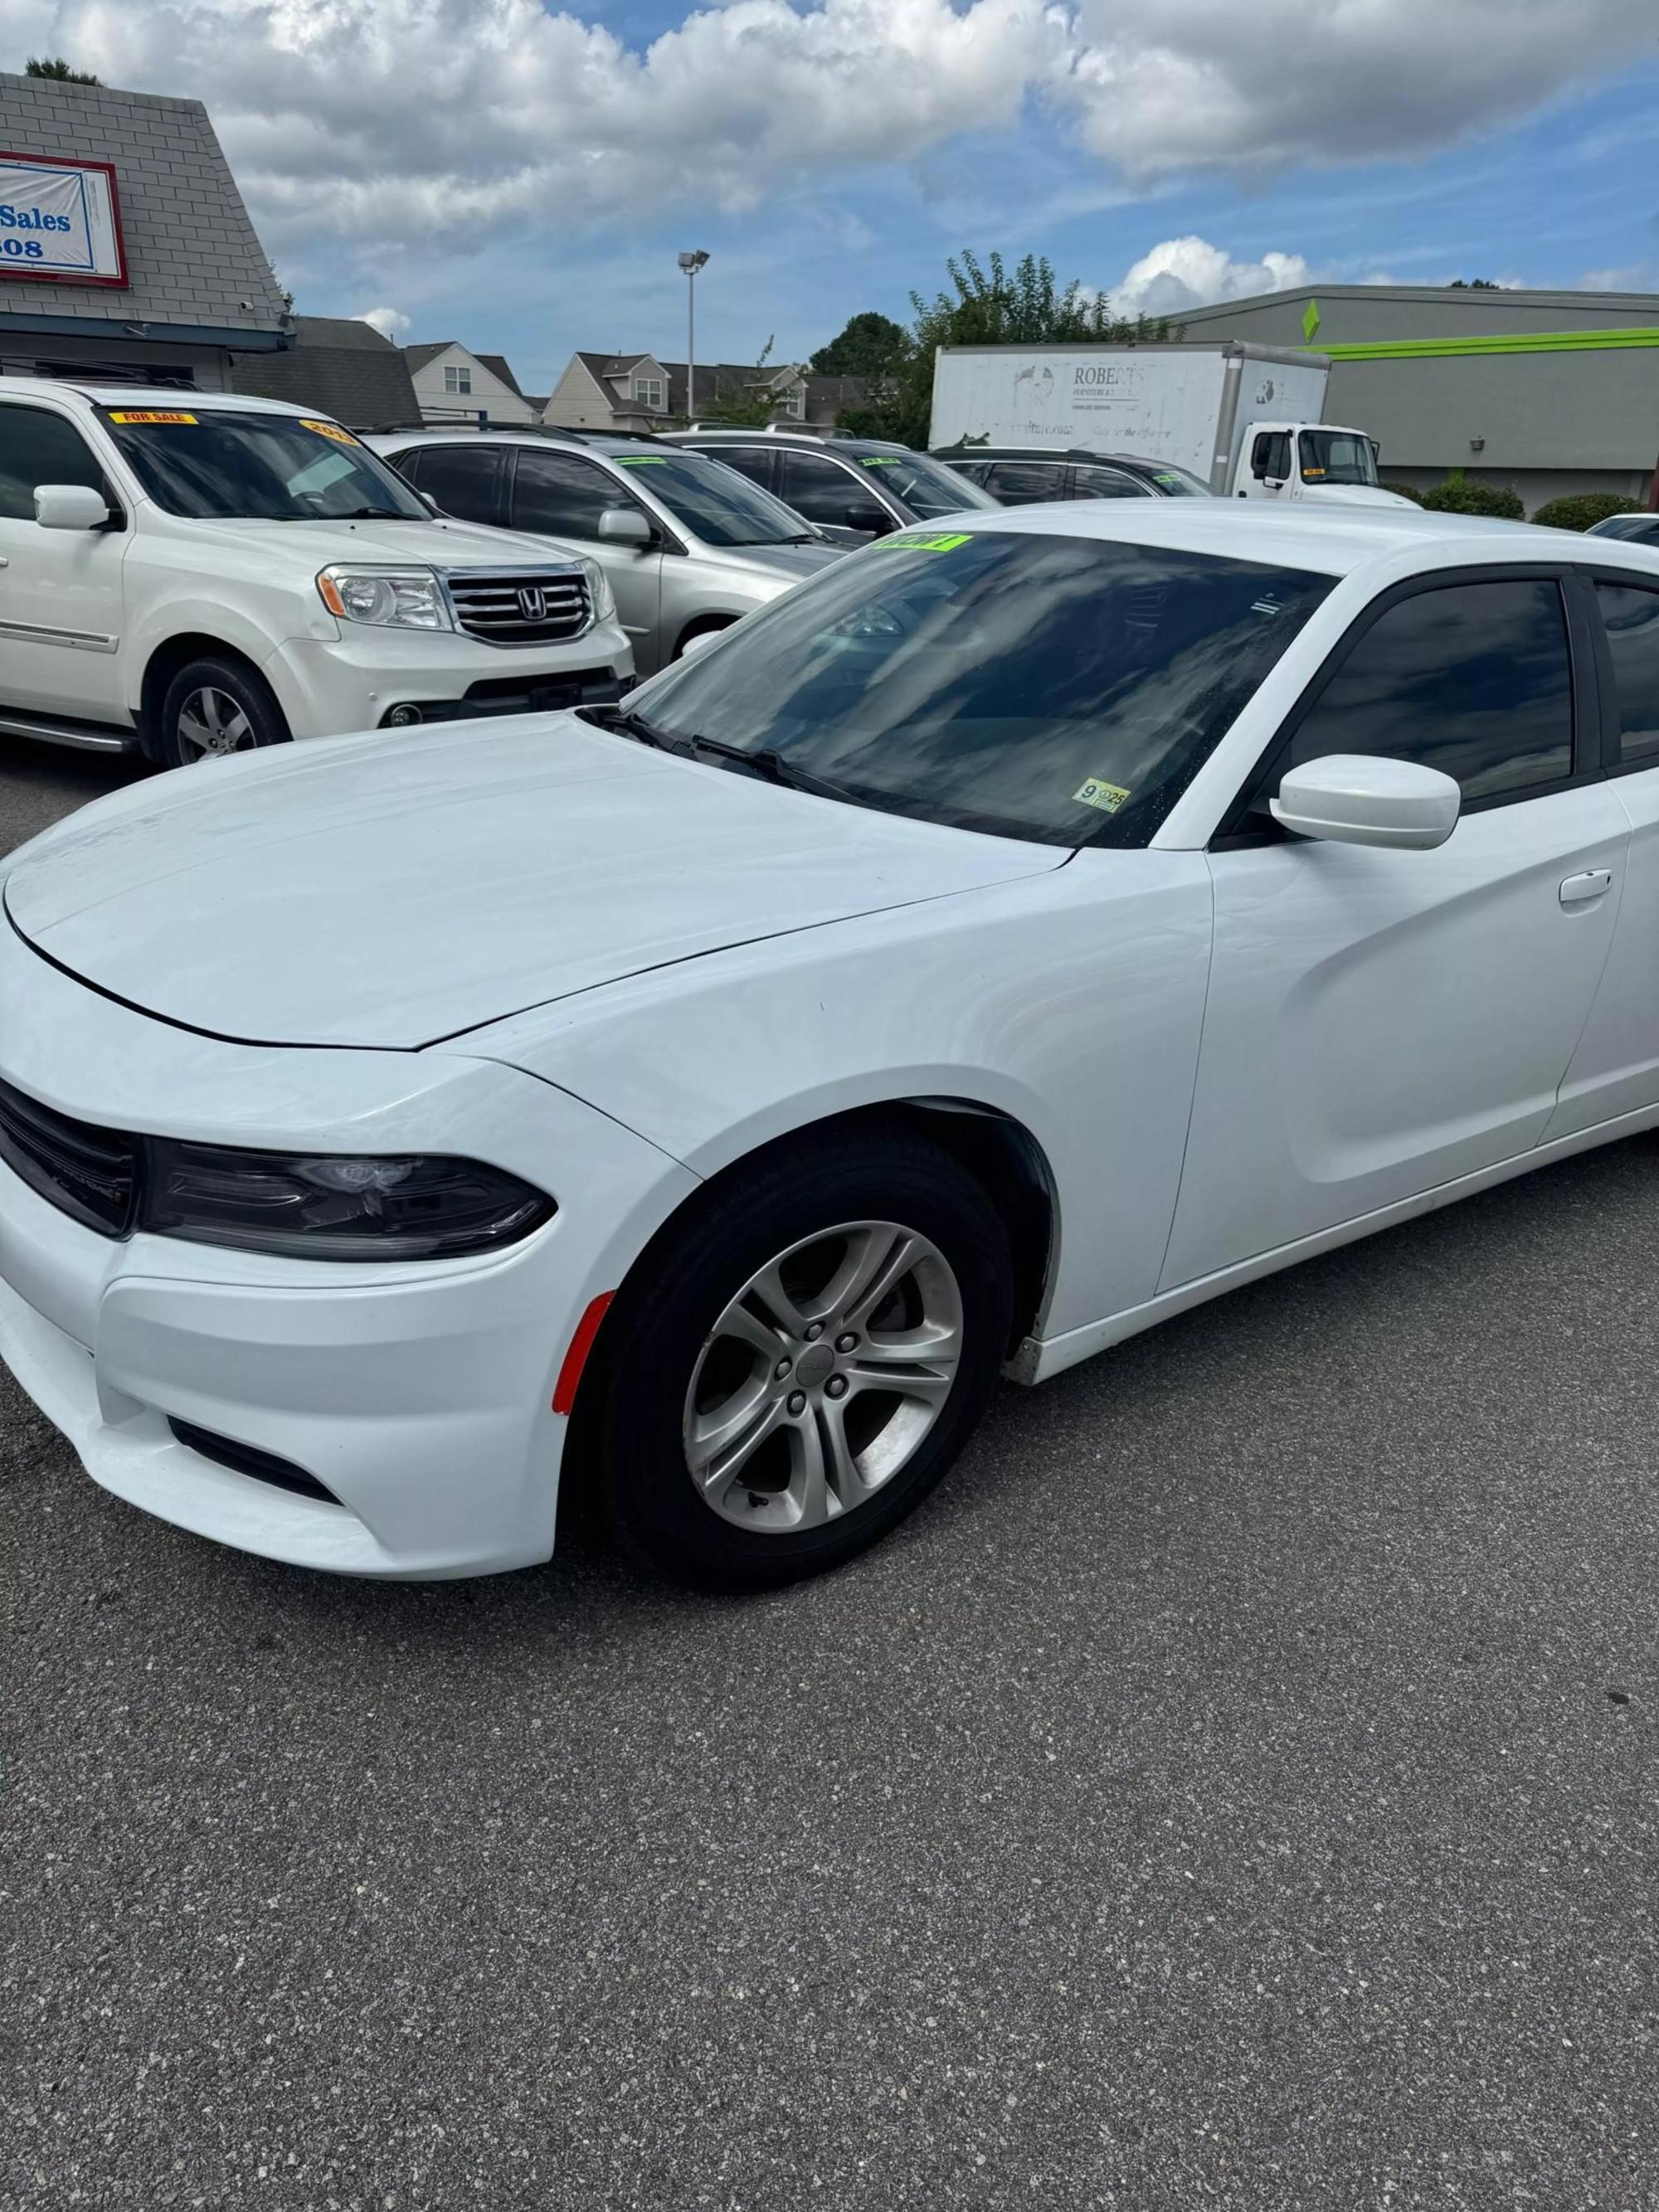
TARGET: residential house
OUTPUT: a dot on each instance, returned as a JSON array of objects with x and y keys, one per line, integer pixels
[
  {"x": 453, "y": 385},
  {"x": 640, "y": 391},
  {"x": 338, "y": 367}
]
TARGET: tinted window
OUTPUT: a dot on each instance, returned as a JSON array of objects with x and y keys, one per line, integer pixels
[
  {"x": 1108, "y": 483},
  {"x": 39, "y": 448},
  {"x": 747, "y": 460},
  {"x": 464, "y": 480},
  {"x": 1270, "y": 456},
  {"x": 823, "y": 491},
  {"x": 1470, "y": 678},
  {"x": 713, "y": 502},
  {"x": 1056, "y": 688},
  {"x": 1632, "y": 615},
  {"x": 927, "y": 487},
  {"x": 1644, "y": 528},
  {"x": 1026, "y": 483},
  {"x": 218, "y": 466},
  {"x": 562, "y": 495}
]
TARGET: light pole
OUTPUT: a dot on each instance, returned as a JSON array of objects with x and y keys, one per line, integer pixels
[{"x": 691, "y": 263}]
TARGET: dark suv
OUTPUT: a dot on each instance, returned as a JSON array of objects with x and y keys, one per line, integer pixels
[
  {"x": 863, "y": 487},
  {"x": 1017, "y": 476}
]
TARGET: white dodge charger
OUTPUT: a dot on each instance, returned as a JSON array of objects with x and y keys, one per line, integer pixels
[{"x": 1032, "y": 926}]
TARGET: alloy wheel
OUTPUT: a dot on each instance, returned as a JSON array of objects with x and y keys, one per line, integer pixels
[
  {"x": 212, "y": 722},
  {"x": 821, "y": 1377}
]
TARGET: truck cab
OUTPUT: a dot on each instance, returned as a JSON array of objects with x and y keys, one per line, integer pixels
[{"x": 1319, "y": 461}]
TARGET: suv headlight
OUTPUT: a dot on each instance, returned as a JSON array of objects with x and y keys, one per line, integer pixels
[
  {"x": 600, "y": 597},
  {"x": 421, "y": 1205},
  {"x": 390, "y": 598}
]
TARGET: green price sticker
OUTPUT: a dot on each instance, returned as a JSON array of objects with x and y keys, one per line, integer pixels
[
  {"x": 948, "y": 543},
  {"x": 641, "y": 460}
]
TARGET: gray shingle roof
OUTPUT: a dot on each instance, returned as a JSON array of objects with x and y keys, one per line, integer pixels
[
  {"x": 192, "y": 255},
  {"x": 418, "y": 355},
  {"x": 496, "y": 364},
  {"x": 341, "y": 368}
]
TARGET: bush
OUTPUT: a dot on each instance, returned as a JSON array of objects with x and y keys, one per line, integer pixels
[
  {"x": 1408, "y": 491},
  {"x": 1579, "y": 510},
  {"x": 1458, "y": 496}
]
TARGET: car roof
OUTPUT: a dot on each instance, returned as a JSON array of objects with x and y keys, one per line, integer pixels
[
  {"x": 764, "y": 434},
  {"x": 153, "y": 395},
  {"x": 1045, "y": 453},
  {"x": 1331, "y": 541},
  {"x": 521, "y": 433}
]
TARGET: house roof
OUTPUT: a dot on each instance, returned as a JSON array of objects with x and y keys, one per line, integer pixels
[
  {"x": 496, "y": 364},
  {"x": 418, "y": 355},
  {"x": 193, "y": 259},
  {"x": 340, "y": 367}
]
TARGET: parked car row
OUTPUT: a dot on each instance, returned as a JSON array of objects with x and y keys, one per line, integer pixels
[{"x": 1016, "y": 934}]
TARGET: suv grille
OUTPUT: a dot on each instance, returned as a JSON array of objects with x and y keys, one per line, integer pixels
[
  {"x": 521, "y": 606},
  {"x": 87, "y": 1171}
]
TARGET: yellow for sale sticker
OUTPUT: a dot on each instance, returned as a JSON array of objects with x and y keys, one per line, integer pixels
[
  {"x": 1110, "y": 797},
  {"x": 329, "y": 430},
  {"x": 150, "y": 414}
]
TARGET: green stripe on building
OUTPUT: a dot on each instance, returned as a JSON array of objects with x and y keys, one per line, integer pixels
[{"x": 1520, "y": 342}]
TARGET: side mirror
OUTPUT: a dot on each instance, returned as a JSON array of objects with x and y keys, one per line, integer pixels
[
  {"x": 1273, "y": 484},
  {"x": 863, "y": 515},
  {"x": 701, "y": 642},
  {"x": 625, "y": 525},
  {"x": 1355, "y": 799},
  {"x": 70, "y": 507}
]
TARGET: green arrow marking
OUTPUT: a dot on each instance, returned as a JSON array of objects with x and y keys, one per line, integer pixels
[{"x": 1310, "y": 321}]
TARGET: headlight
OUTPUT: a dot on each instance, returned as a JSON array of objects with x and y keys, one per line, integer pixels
[
  {"x": 411, "y": 1207},
  {"x": 600, "y": 597},
  {"x": 391, "y": 599}
]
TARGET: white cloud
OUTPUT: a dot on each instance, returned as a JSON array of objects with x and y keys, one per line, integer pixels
[
  {"x": 1190, "y": 272},
  {"x": 1632, "y": 277},
  {"x": 390, "y": 322},
  {"x": 437, "y": 124}
]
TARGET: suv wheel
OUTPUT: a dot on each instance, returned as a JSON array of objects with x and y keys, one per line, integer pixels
[
  {"x": 214, "y": 707},
  {"x": 802, "y": 1363}
]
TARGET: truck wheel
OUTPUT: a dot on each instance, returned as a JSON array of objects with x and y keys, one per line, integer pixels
[
  {"x": 800, "y": 1363},
  {"x": 214, "y": 707}
]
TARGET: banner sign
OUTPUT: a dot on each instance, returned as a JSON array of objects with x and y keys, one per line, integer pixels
[{"x": 60, "y": 219}]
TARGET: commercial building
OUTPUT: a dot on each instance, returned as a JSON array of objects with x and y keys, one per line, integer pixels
[
  {"x": 1548, "y": 392},
  {"x": 126, "y": 250}
]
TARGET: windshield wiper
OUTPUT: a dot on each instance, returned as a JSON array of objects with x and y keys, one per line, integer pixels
[
  {"x": 628, "y": 725},
  {"x": 771, "y": 767},
  {"x": 368, "y": 514}
]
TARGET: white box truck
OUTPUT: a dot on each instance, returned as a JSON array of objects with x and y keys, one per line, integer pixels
[{"x": 1245, "y": 419}]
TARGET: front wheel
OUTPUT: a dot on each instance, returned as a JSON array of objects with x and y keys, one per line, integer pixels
[
  {"x": 214, "y": 707},
  {"x": 801, "y": 1362}
]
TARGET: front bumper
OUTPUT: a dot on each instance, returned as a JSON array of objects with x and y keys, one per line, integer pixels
[
  {"x": 419, "y": 1395},
  {"x": 329, "y": 686}
]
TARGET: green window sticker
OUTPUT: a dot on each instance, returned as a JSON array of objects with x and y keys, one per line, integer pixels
[
  {"x": 881, "y": 460},
  {"x": 1110, "y": 797},
  {"x": 947, "y": 544},
  {"x": 641, "y": 460}
]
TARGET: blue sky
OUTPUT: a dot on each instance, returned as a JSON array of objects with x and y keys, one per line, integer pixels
[{"x": 522, "y": 178}]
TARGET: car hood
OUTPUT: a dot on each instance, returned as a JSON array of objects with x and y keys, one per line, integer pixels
[
  {"x": 391, "y": 890},
  {"x": 791, "y": 561},
  {"x": 427, "y": 541},
  {"x": 1356, "y": 496}
]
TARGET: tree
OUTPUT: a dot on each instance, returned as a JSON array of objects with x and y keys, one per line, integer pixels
[
  {"x": 1472, "y": 284},
  {"x": 754, "y": 402},
  {"x": 870, "y": 345},
  {"x": 55, "y": 67},
  {"x": 989, "y": 305}
]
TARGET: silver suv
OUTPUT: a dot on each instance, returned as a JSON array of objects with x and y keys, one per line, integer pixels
[
  {"x": 687, "y": 545},
  {"x": 862, "y": 487}
]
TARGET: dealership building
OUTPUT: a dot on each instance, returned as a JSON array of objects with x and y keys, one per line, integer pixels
[
  {"x": 125, "y": 252},
  {"x": 1548, "y": 392}
]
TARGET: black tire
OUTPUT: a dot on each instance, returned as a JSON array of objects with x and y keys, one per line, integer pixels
[
  {"x": 627, "y": 1440},
  {"x": 223, "y": 679}
]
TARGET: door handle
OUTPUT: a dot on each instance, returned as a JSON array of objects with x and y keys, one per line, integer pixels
[{"x": 1576, "y": 889}]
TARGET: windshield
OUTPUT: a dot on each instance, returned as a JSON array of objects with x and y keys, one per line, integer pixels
[
  {"x": 1060, "y": 689},
  {"x": 1179, "y": 483},
  {"x": 715, "y": 503},
  {"x": 217, "y": 466},
  {"x": 927, "y": 487},
  {"x": 1337, "y": 457}
]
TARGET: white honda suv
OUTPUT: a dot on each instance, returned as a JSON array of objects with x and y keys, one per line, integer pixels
[{"x": 186, "y": 573}]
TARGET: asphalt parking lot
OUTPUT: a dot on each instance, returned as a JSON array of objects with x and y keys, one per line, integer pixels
[{"x": 1237, "y": 1788}]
